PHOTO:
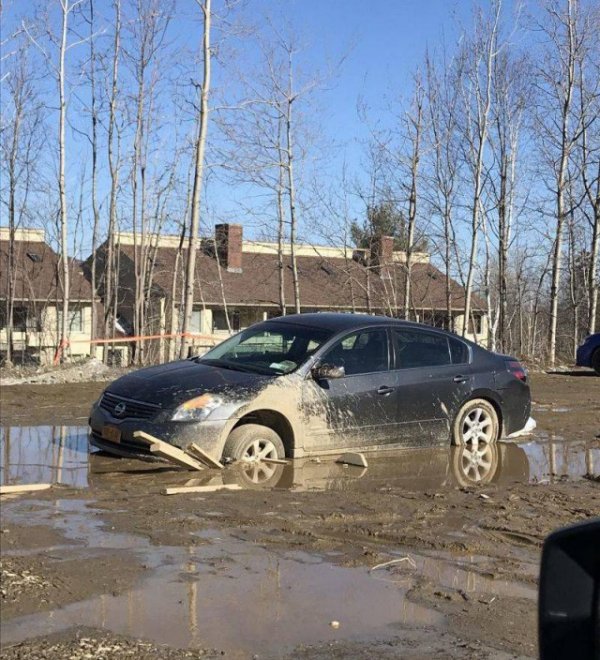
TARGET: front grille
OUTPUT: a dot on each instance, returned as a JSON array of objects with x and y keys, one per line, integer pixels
[{"x": 133, "y": 409}]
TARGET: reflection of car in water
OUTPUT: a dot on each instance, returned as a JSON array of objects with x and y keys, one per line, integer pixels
[
  {"x": 413, "y": 469},
  {"x": 317, "y": 384}
]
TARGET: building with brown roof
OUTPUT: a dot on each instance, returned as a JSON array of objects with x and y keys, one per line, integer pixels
[
  {"x": 239, "y": 280},
  {"x": 37, "y": 298}
]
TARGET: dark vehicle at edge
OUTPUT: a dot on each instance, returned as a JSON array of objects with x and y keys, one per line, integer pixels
[
  {"x": 316, "y": 384},
  {"x": 588, "y": 354}
]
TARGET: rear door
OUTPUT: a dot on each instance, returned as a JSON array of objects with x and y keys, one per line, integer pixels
[
  {"x": 431, "y": 379},
  {"x": 358, "y": 410}
]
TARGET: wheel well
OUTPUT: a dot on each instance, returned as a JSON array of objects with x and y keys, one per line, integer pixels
[
  {"x": 275, "y": 421},
  {"x": 498, "y": 410}
]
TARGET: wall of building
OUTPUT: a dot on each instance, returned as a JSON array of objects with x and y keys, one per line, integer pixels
[{"x": 42, "y": 334}]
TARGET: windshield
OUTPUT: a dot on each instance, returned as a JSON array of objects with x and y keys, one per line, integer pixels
[{"x": 269, "y": 348}]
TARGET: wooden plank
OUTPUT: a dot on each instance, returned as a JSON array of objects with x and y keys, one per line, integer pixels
[
  {"x": 175, "y": 455},
  {"x": 200, "y": 489},
  {"x": 146, "y": 437},
  {"x": 274, "y": 461},
  {"x": 353, "y": 458},
  {"x": 23, "y": 488},
  {"x": 168, "y": 452},
  {"x": 201, "y": 455}
]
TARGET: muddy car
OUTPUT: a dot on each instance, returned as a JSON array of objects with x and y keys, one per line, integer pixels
[{"x": 318, "y": 384}]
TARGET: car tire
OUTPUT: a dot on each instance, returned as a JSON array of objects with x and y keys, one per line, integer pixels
[
  {"x": 596, "y": 361},
  {"x": 476, "y": 420},
  {"x": 251, "y": 442}
]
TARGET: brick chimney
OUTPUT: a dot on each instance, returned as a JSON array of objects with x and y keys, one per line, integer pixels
[
  {"x": 228, "y": 239},
  {"x": 382, "y": 254}
]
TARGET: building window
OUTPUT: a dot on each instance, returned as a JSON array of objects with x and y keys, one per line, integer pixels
[
  {"x": 476, "y": 324},
  {"x": 24, "y": 319},
  {"x": 196, "y": 321},
  {"x": 74, "y": 320},
  {"x": 220, "y": 320}
]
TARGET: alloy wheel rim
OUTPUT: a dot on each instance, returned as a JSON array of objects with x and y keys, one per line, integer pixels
[
  {"x": 258, "y": 450},
  {"x": 477, "y": 427}
]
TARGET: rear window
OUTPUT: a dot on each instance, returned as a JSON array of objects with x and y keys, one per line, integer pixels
[
  {"x": 459, "y": 351},
  {"x": 420, "y": 349}
]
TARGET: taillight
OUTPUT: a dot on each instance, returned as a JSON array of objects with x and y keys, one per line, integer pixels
[{"x": 517, "y": 370}]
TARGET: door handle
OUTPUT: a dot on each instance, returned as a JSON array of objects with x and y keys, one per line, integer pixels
[
  {"x": 460, "y": 379},
  {"x": 384, "y": 389}
]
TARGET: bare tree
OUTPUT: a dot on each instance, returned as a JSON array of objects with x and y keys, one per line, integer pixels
[
  {"x": 414, "y": 121},
  {"x": 199, "y": 149},
  {"x": 558, "y": 128},
  {"x": 478, "y": 58},
  {"x": 442, "y": 191},
  {"x": 20, "y": 145},
  {"x": 111, "y": 279}
]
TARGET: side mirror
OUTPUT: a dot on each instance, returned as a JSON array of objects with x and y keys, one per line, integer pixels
[
  {"x": 327, "y": 372},
  {"x": 569, "y": 597}
]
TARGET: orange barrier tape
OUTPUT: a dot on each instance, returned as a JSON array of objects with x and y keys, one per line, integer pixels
[{"x": 127, "y": 340}]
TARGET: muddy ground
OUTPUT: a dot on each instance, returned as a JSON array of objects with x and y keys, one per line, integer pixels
[{"x": 409, "y": 558}]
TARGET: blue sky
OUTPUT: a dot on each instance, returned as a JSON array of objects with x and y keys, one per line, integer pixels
[{"x": 383, "y": 41}]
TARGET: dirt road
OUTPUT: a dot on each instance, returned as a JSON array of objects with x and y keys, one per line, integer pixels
[{"x": 410, "y": 557}]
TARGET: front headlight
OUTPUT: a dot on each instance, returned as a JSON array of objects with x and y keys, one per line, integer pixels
[{"x": 197, "y": 409}]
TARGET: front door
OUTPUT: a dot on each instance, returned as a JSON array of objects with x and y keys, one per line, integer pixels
[{"x": 359, "y": 409}]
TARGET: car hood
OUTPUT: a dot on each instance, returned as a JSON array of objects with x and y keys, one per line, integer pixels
[{"x": 169, "y": 385}]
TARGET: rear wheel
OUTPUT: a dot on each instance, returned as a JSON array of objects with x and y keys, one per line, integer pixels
[
  {"x": 596, "y": 361},
  {"x": 251, "y": 443},
  {"x": 476, "y": 423}
]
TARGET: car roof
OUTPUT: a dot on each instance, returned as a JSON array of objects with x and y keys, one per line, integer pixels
[{"x": 339, "y": 321}]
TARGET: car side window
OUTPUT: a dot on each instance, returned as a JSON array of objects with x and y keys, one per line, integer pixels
[
  {"x": 361, "y": 352},
  {"x": 420, "y": 349},
  {"x": 459, "y": 351}
]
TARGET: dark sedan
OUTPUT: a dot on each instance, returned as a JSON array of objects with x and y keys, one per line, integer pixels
[
  {"x": 588, "y": 354},
  {"x": 319, "y": 383}
]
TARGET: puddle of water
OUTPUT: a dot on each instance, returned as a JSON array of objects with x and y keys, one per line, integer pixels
[
  {"x": 239, "y": 597},
  {"x": 468, "y": 574},
  {"x": 61, "y": 455},
  {"x": 76, "y": 519},
  {"x": 44, "y": 454}
]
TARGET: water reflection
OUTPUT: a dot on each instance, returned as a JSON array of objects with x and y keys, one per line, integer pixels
[
  {"x": 44, "y": 454},
  {"x": 234, "y": 595},
  {"x": 60, "y": 454}
]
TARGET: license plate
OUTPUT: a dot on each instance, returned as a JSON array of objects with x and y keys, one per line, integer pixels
[{"x": 111, "y": 433}]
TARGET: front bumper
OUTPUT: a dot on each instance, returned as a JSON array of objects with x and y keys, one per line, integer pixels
[{"x": 209, "y": 435}]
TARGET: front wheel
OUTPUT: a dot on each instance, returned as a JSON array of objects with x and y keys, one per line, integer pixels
[
  {"x": 476, "y": 422},
  {"x": 252, "y": 443}
]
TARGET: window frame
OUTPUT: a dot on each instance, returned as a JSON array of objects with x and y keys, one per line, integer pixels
[
  {"x": 467, "y": 347},
  {"x": 338, "y": 339},
  {"x": 74, "y": 309}
]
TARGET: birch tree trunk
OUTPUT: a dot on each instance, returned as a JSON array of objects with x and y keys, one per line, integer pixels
[
  {"x": 416, "y": 123},
  {"x": 111, "y": 278},
  {"x": 291, "y": 182},
  {"x": 478, "y": 144},
  {"x": 199, "y": 150},
  {"x": 64, "y": 229},
  {"x": 95, "y": 210},
  {"x": 567, "y": 85}
]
